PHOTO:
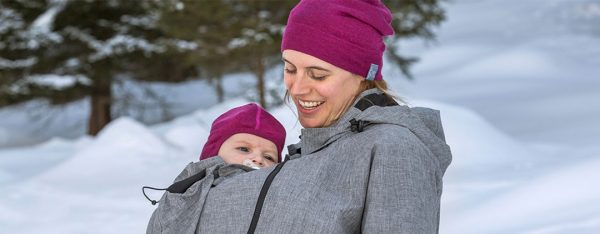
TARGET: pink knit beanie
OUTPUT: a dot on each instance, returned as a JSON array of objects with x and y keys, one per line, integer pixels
[
  {"x": 346, "y": 33},
  {"x": 251, "y": 119}
]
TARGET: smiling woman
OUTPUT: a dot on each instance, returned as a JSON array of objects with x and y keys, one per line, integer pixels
[{"x": 364, "y": 162}]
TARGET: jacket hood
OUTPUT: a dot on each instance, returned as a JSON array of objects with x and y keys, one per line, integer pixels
[{"x": 372, "y": 107}]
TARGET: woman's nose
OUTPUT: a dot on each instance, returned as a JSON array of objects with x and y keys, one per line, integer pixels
[{"x": 299, "y": 85}]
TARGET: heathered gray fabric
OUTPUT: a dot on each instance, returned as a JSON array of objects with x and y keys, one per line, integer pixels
[
  {"x": 179, "y": 213},
  {"x": 386, "y": 179}
]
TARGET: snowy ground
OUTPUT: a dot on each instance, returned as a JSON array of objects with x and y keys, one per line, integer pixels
[{"x": 516, "y": 81}]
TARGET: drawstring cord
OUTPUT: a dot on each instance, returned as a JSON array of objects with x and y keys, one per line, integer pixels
[{"x": 144, "y": 192}]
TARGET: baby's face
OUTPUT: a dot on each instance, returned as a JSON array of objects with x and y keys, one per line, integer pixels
[{"x": 243, "y": 146}]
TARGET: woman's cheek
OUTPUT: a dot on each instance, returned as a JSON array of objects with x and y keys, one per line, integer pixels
[
  {"x": 287, "y": 81},
  {"x": 328, "y": 91}
]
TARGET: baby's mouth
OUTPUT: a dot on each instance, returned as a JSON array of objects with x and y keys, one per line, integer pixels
[{"x": 250, "y": 164}]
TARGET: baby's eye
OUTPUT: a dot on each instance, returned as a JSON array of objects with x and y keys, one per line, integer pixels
[
  {"x": 243, "y": 149},
  {"x": 269, "y": 157}
]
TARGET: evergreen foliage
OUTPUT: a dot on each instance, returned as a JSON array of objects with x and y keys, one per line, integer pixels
[
  {"x": 67, "y": 50},
  {"x": 82, "y": 43},
  {"x": 412, "y": 19},
  {"x": 232, "y": 36}
]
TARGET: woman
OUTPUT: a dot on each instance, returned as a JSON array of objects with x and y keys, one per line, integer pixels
[{"x": 363, "y": 164}]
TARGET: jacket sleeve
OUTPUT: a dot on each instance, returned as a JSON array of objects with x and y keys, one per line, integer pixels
[{"x": 402, "y": 193}]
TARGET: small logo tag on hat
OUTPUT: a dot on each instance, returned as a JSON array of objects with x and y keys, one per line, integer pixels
[{"x": 372, "y": 72}]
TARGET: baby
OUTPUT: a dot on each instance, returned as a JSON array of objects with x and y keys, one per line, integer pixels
[{"x": 246, "y": 135}]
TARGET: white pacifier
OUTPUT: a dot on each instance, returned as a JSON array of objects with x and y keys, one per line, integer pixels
[{"x": 250, "y": 164}]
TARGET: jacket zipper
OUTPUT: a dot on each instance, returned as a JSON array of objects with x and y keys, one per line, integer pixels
[{"x": 262, "y": 195}]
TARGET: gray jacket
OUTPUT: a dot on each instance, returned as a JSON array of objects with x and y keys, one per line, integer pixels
[{"x": 382, "y": 175}]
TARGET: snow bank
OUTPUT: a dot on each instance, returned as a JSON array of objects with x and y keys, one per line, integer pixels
[
  {"x": 97, "y": 189},
  {"x": 21, "y": 164},
  {"x": 566, "y": 196},
  {"x": 122, "y": 151},
  {"x": 475, "y": 143}
]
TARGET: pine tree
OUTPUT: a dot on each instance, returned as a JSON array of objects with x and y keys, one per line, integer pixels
[
  {"x": 86, "y": 42},
  {"x": 231, "y": 35},
  {"x": 412, "y": 19},
  {"x": 102, "y": 38},
  {"x": 21, "y": 37},
  {"x": 196, "y": 23}
]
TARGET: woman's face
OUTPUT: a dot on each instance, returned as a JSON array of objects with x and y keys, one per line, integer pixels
[{"x": 320, "y": 90}]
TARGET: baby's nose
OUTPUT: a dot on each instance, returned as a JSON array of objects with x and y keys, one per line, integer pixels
[{"x": 258, "y": 160}]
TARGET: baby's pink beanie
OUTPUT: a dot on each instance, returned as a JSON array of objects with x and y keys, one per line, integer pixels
[{"x": 251, "y": 119}]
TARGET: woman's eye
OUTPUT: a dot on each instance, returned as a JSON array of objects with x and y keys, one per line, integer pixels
[
  {"x": 318, "y": 77},
  {"x": 244, "y": 149},
  {"x": 289, "y": 71}
]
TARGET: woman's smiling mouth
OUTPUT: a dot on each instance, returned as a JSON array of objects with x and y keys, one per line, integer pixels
[{"x": 309, "y": 105}]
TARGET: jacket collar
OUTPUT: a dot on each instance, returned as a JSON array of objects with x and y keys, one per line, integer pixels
[{"x": 373, "y": 108}]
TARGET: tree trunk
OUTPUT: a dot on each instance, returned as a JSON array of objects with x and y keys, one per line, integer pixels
[
  {"x": 101, "y": 96},
  {"x": 219, "y": 89}
]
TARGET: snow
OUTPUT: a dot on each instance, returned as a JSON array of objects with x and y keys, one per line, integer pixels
[
  {"x": 44, "y": 21},
  {"x": 538, "y": 202},
  {"x": 183, "y": 45},
  {"x": 119, "y": 44},
  {"x": 9, "y": 19},
  {"x": 6, "y": 63},
  {"x": 516, "y": 85},
  {"x": 144, "y": 21},
  {"x": 57, "y": 82}
]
